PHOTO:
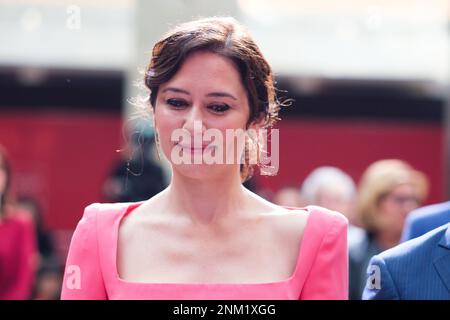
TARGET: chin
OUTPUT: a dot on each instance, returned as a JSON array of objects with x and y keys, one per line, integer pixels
[{"x": 196, "y": 171}]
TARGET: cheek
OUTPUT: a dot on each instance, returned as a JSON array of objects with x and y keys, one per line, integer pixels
[
  {"x": 164, "y": 122},
  {"x": 392, "y": 214},
  {"x": 165, "y": 125},
  {"x": 386, "y": 210}
]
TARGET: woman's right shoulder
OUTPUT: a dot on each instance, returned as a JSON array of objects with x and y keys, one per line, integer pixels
[{"x": 97, "y": 222}]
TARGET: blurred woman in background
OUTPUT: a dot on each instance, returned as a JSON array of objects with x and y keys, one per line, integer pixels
[
  {"x": 48, "y": 265},
  {"x": 17, "y": 242},
  {"x": 388, "y": 191}
]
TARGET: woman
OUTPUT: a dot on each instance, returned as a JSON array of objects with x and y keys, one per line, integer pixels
[
  {"x": 205, "y": 236},
  {"x": 17, "y": 243},
  {"x": 47, "y": 285},
  {"x": 389, "y": 190}
]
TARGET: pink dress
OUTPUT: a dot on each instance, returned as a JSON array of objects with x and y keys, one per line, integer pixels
[{"x": 321, "y": 271}]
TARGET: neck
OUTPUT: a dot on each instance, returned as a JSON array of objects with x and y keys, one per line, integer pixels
[
  {"x": 387, "y": 240},
  {"x": 209, "y": 200}
]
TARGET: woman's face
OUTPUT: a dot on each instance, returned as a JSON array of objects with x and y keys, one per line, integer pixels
[
  {"x": 396, "y": 205},
  {"x": 206, "y": 93}
]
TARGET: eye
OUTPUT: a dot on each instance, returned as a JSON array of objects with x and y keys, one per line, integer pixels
[
  {"x": 219, "y": 108},
  {"x": 177, "y": 103}
]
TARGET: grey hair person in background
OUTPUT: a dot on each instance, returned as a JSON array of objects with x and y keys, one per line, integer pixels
[{"x": 332, "y": 188}]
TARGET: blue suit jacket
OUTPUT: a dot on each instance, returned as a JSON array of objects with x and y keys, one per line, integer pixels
[
  {"x": 425, "y": 219},
  {"x": 418, "y": 269}
]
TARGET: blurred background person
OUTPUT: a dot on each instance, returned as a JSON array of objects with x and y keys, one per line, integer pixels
[
  {"x": 388, "y": 191},
  {"x": 288, "y": 196},
  {"x": 136, "y": 176},
  {"x": 331, "y": 188},
  {"x": 17, "y": 242},
  {"x": 425, "y": 219},
  {"x": 49, "y": 265}
]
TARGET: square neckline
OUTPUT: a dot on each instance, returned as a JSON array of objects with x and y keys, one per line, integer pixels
[{"x": 132, "y": 206}]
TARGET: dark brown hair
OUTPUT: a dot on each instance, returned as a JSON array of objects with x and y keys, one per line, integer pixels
[
  {"x": 5, "y": 194},
  {"x": 226, "y": 37}
]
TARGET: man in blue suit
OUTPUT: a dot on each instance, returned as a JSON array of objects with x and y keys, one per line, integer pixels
[
  {"x": 425, "y": 219},
  {"x": 418, "y": 269}
]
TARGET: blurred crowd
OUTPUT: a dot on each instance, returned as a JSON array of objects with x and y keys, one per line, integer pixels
[
  {"x": 30, "y": 268},
  {"x": 376, "y": 208}
]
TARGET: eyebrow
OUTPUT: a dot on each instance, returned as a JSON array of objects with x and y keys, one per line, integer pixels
[
  {"x": 221, "y": 94},
  {"x": 173, "y": 89},
  {"x": 211, "y": 94}
]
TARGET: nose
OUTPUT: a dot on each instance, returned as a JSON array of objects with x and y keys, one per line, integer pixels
[{"x": 194, "y": 121}]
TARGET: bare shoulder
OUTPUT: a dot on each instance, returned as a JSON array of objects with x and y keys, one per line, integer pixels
[
  {"x": 290, "y": 224},
  {"x": 139, "y": 219},
  {"x": 293, "y": 218}
]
